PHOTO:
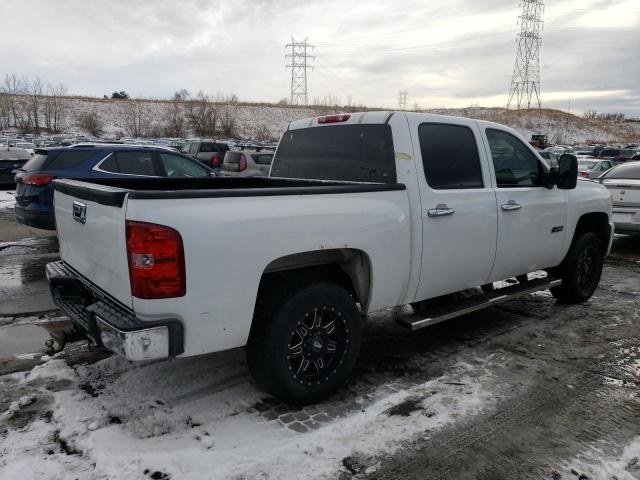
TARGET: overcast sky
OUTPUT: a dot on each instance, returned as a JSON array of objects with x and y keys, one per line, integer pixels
[{"x": 445, "y": 54}]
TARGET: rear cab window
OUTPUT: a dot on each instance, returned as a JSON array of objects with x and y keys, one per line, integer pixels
[{"x": 350, "y": 153}]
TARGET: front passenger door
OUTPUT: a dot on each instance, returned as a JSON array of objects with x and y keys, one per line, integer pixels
[{"x": 531, "y": 218}]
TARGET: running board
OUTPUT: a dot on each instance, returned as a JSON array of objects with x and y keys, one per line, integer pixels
[{"x": 442, "y": 311}]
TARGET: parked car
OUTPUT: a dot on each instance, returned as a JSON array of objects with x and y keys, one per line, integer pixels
[
  {"x": 617, "y": 155},
  {"x": 623, "y": 182},
  {"x": 28, "y": 147},
  {"x": 210, "y": 153},
  {"x": 246, "y": 163},
  {"x": 593, "y": 168},
  {"x": 11, "y": 159},
  {"x": 361, "y": 212},
  {"x": 34, "y": 191}
]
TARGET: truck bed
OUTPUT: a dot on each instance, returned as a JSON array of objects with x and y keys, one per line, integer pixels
[{"x": 113, "y": 191}]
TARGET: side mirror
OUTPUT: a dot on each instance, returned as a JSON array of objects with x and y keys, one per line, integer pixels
[{"x": 567, "y": 172}]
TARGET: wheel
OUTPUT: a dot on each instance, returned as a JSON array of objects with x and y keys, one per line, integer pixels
[
  {"x": 307, "y": 344},
  {"x": 581, "y": 270}
]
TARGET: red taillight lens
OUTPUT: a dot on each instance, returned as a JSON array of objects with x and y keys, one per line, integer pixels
[
  {"x": 334, "y": 118},
  {"x": 584, "y": 174},
  {"x": 216, "y": 161},
  {"x": 37, "y": 179},
  {"x": 242, "y": 165},
  {"x": 156, "y": 261}
]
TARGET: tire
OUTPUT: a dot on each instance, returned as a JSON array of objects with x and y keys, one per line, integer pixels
[
  {"x": 307, "y": 343},
  {"x": 581, "y": 270}
]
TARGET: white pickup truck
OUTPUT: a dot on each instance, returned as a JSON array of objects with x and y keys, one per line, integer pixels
[{"x": 361, "y": 212}]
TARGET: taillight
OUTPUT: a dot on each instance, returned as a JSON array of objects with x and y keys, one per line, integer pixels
[
  {"x": 584, "y": 174},
  {"x": 37, "y": 179},
  {"x": 242, "y": 166},
  {"x": 156, "y": 261},
  {"x": 216, "y": 161},
  {"x": 334, "y": 118}
]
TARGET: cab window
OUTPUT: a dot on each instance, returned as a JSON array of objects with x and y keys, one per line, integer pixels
[{"x": 514, "y": 164}]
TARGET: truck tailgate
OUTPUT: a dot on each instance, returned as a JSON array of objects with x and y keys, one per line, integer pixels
[{"x": 90, "y": 220}]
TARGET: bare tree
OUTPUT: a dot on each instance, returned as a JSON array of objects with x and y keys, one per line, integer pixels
[
  {"x": 34, "y": 91},
  {"x": 14, "y": 90},
  {"x": 55, "y": 108},
  {"x": 202, "y": 115},
  {"x": 228, "y": 124},
  {"x": 91, "y": 122},
  {"x": 181, "y": 95},
  {"x": 173, "y": 121},
  {"x": 136, "y": 118},
  {"x": 5, "y": 111}
]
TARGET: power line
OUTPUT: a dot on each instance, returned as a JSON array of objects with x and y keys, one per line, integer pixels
[
  {"x": 525, "y": 82},
  {"x": 298, "y": 66}
]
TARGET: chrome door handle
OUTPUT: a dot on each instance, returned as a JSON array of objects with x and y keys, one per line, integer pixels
[
  {"x": 441, "y": 210},
  {"x": 511, "y": 205}
]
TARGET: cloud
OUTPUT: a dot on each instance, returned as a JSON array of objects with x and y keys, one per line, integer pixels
[{"x": 444, "y": 54}]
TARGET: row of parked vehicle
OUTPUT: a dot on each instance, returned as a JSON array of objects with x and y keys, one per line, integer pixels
[{"x": 33, "y": 174}]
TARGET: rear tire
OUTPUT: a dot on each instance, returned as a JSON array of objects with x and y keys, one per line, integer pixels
[
  {"x": 581, "y": 270},
  {"x": 307, "y": 344}
]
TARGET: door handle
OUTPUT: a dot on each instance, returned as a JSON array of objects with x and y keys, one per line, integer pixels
[
  {"x": 511, "y": 205},
  {"x": 441, "y": 210}
]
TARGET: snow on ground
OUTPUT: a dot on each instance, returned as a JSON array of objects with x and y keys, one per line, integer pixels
[
  {"x": 625, "y": 466},
  {"x": 195, "y": 418},
  {"x": 7, "y": 199}
]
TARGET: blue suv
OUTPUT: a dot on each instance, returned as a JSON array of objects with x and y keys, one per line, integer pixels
[{"x": 34, "y": 191}]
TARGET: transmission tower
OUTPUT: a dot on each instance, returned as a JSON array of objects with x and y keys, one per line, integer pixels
[
  {"x": 402, "y": 100},
  {"x": 525, "y": 82},
  {"x": 298, "y": 57}
]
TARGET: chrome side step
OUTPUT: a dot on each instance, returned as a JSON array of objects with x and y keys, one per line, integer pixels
[{"x": 442, "y": 311}]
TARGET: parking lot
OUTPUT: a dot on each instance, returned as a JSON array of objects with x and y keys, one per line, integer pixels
[{"x": 529, "y": 389}]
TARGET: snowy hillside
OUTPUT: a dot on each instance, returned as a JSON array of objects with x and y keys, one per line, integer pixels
[{"x": 260, "y": 120}]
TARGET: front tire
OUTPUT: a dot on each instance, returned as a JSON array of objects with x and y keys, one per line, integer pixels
[
  {"x": 581, "y": 270},
  {"x": 307, "y": 344}
]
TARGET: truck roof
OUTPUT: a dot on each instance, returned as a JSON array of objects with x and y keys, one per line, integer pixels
[{"x": 380, "y": 117}]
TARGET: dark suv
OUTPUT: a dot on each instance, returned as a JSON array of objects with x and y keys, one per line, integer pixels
[
  {"x": 210, "y": 153},
  {"x": 34, "y": 191}
]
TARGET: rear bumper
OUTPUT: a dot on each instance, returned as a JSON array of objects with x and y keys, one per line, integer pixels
[
  {"x": 107, "y": 322},
  {"x": 45, "y": 220},
  {"x": 626, "y": 220}
]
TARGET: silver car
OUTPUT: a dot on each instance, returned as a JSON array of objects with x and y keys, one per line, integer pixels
[
  {"x": 593, "y": 167},
  {"x": 246, "y": 163},
  {"x": 623, "y": 182}
]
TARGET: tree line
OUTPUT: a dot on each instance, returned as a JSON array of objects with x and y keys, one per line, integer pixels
[{"x": 31, "y": 106}]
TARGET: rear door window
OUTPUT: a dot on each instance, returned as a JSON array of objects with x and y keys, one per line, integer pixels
[
  {"x": 450, "y": 156},
  {"x": 136, "y": 163},
  {"x": 109, "y": 164},
  {"x": 514, "y": 164},
  {"x": 354, "y": 153}
]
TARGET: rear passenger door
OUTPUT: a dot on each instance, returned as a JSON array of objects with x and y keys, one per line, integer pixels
[
  {"x": 459, "y": 219},
  {"x": 531, "y": 217}
]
